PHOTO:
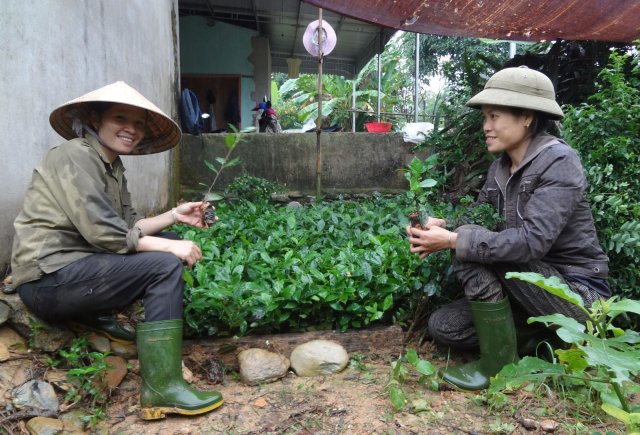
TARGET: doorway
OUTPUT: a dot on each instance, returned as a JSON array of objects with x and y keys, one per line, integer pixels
[{"x": 218, "y": 96}]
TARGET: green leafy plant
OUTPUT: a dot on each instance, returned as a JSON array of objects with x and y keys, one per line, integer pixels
[
  {"x": 300, "y": 96},
  {"x": 605, "y": 130},
  {"x": 340, "y": 264},
  {"x": 421, "y": 185},
  {"x": 253, "y": 188},
  {"x": 484, "y": 214},
  {"x": 630, "y": 419},
  {"x": 35, "y": 327},
  {"x": 231, "y": 140},
  {"x": 357, "y": 362},
  {"x": 603, "y": 359},
  {"x": 85, "y": 370},
  {"x": 401, "y": 369}
]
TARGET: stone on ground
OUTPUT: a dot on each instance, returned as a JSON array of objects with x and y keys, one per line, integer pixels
[
  {"x": 259, "y": 366},
  {"x": 319, "y": 357}
]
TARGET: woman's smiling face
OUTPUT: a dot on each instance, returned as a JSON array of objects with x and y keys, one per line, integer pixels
[
  {"x": 121, "y": 128},
  {"x": 504, "y": 130}
]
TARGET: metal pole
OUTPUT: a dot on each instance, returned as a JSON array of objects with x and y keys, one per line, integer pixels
[
  {"x": 319, "y": 125},
  {"x": 512, "y": 50},
  {"x": 379, "y": 84},
  {"x": 415, "y": 99}
]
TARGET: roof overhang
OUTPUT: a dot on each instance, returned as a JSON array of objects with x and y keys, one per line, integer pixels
[
  {"x": 363, "y": 27},
  {"x": 518, "y": 20},
  {"x": 283, "y": 22}
]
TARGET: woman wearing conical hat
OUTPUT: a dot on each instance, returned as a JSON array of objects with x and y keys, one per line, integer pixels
[
  {"x": 81, "y": 250},
  {"x": 538, "y": 186}
]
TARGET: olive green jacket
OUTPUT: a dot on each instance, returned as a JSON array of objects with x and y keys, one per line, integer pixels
[{"x": 77, "y": 204}]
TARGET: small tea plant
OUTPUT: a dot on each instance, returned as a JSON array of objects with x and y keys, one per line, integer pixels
[
  {"x": 420, "y": 186},
  {"x": 85, "y": 370},
  {"x": 231, "y": 140},
  {"x": 400, "y": 370},
  {"x": 357, "y": 362},
  {"x": 603, "y": 359}
]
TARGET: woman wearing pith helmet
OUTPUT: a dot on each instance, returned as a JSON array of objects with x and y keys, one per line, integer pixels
[
  {"x": 537, "y": 185},
  {"x": 81, "y": 250}
]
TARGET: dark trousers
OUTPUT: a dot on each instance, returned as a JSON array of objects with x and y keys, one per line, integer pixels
[
  {"x": 100, "y": 283},
  {"x": 452, "y": 325}
]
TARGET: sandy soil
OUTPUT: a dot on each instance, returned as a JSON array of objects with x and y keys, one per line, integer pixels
[{"x": 352, "y": 402}]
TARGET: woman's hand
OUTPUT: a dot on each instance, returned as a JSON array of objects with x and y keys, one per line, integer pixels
[
  {"x": 185, "y": 250},
  {"x": 436, "y": 222},
  {"x": 190, "y": 213},
  {"x": 431, "y": 239}
]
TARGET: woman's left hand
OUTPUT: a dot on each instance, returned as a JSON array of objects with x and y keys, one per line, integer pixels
[
  {"x": 430, "y": 239},
  {"x": 190, "y": 213}
]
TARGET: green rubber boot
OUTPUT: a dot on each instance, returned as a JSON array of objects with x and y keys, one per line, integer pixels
[
  {"x": 163, "y": 389},
  {"x": 497, "y": 337}
]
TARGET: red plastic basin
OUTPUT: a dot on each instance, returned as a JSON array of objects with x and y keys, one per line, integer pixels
[{"x": 378, "y": 127}]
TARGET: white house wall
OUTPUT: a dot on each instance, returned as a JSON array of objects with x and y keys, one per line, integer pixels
[{"x": 53, "y": 51}]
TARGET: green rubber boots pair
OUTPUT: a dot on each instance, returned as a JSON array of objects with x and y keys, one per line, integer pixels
[
  {"x": 163, "y": 389},
  {"x": 496, "y": 331}
]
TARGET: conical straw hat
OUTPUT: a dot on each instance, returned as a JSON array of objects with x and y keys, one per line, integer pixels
[{"x": 161, "y": 134}]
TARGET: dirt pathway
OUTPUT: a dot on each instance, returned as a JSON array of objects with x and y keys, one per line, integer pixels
[{"x": 352, "y": 402}]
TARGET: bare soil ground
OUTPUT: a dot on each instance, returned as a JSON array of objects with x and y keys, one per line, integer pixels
[{"x": 354, "y": 401}]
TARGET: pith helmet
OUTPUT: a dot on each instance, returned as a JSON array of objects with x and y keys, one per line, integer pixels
[
  {"x": 520, "y": 87},
  {"x": 161, "y": 132}
]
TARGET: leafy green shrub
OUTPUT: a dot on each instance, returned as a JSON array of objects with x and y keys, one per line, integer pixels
[
  {"x": 85, "y": 370},
  {"x": 288, "y": 113},
  {"x": 602, "y": 363},
  {"x": 339, "y": 265},
  {"x": 606, "y": 132},
  {"x": 252, "y": 188}
]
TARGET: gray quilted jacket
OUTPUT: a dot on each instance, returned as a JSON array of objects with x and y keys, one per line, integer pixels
[{"x": 547, "y": 216}]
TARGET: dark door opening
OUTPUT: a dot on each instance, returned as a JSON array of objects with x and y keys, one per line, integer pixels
[{"x": 218, "y": 96}]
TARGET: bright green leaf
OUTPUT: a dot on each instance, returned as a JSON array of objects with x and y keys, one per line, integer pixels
[
  {"x": 552, "y": 284},
  {"x": 397, "y": 396}
]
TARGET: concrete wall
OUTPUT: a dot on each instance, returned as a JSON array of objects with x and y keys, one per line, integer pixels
[
  {"x": 351, "y": 162},
  {"x": 220, "y": 48},
  {"x": 53, "y": 51}
]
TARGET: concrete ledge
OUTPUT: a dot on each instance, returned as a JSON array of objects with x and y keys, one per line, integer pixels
[{"x": 351, "y": 162}]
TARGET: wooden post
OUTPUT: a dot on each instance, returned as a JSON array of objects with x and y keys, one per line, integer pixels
[{"x": 319, "y": 124}]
